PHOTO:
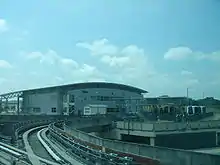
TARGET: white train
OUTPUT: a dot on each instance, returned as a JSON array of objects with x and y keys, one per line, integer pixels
[{"x": 195, "y": 110}]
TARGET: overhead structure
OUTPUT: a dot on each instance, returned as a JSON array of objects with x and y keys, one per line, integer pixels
[{"x": 11, "y": 95}]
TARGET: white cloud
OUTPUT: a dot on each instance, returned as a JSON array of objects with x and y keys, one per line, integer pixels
[
  {"x": 51, "y": 58},
  {"x": 3, "y": 25},
  {"x": 5, "y": 64},
  {"x": 181, "y": 53},
  {"x": 186, "y": 73},
  {"x": 129, "y": 65},
  {"x": 178, "y": 53},
  {"x": 70, "y": 62},
  {"x": 99, "y": 47},
  {"x": 214, "y": 56},
  {"x": 58, "y": 69},
  {"x": 129, "y": 62}
]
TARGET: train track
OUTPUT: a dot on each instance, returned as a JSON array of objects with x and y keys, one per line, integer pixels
[
  {"x": 89, "y": 155},
  {"x": 50, "y": 149},
  {"x": 11, "y": 155}
]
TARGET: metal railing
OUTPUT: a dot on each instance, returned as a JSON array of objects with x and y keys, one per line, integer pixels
[{"x": 165, "y": 155}]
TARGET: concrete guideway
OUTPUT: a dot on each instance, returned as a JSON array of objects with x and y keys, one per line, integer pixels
[
  {"x": 49, "y": 150},
  {"x": 34, "y": 159},
  {"x": 59, "y": 149},
  {"x": 5, "y": 158},
  {"x": 215, "y": 151},
  {"x": 33, "y": 156}
]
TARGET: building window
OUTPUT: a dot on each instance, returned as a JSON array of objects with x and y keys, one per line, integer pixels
[
  {"x": 83, "y": 91},
  {"x": 72, "y": 108},
  {"x": 36, "y": 110},
  {"x": 54, "y": 110},
  {"x": 65, "y": 98},
  {"x": 72, "y": 98},
  {"x": 65, "y": 109}
]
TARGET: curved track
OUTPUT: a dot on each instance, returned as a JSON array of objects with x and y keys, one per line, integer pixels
[
  {"x": 62, "y": 152},
  {"x": 38, "y": 148},
  {"x": 34, "y": 159},
  {"x": 47, "y": 147}
]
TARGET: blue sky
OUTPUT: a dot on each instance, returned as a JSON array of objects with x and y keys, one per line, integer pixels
[{"x": 161, "y": 46}]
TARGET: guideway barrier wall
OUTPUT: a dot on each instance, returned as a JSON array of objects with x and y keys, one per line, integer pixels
[
  {"x": 23, "y": 126},
  {"x": 166, "y": 156},
  {"x": 167, "y": 126}
]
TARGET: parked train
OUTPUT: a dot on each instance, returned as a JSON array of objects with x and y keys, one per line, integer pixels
[
  {"x": 174, "y": 109},
  {"x": 195, "y": 110}
]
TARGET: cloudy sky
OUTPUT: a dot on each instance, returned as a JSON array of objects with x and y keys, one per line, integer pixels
[{"x": 161, "y": 46}]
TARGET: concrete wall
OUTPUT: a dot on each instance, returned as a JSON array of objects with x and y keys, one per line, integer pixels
[
  {"x": 86, "y": 96},
  {"x": 135, "y": 139},
  {"x": 45, "y": 101},
  {"x": 187, "y": 140},
  {"x": 165, "y": 155},
  {"x": 168, "y": 126}
]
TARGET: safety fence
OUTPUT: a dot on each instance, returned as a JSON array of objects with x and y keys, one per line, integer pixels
[{"x": 165, "y": 155}]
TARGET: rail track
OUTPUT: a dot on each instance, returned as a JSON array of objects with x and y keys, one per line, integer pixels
[{"x": 89, "y": 155}]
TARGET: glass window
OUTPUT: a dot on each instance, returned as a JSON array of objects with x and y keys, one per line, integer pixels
[
  {"x": 190, "y": 110},
  {"x": 204, "y": 109},
  {"x": 36, "y": 110},
  {"x": 65, "y": 98},
  {"x": 172, "y": 109},
  {"x": 166, "y": 109},
  {"x": 197, "y": 109},
  {"x": 53, "y": 110},
  {"x": 72, "y": 98},
  {"x": 65, "y": 109}
]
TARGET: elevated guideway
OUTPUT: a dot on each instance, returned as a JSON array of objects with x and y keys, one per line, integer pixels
[{"x": 148, "y": 154}]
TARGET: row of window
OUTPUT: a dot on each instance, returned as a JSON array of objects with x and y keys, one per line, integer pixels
[
  {"x": 38, "y": 110},
  {"x": 105, "y": 98},
  {"x": 94, "y": 98}
]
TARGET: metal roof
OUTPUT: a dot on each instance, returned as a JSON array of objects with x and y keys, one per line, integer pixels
[{"x": 83, "y": 86}]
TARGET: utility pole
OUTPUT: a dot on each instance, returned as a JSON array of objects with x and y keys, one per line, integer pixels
[
  {"x": 187, "y": 95},
  {"x": 203, "y": 95},
  {"x": 187, "y": 92}
]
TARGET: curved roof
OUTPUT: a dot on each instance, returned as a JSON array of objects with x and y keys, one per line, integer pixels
[{"x": 94, "y": 85}]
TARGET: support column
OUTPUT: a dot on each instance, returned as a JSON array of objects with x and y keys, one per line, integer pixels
[
  {"x": 1, "y": 106},
  {"x": 152, "y": 141},
  {"x": 18, "y": 105},
  {"x": 6, "y": 104},
  {"x": 217, "y": 138}
]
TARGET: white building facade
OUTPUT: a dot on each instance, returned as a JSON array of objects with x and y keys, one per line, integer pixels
[{"x": 71, "y": 99}]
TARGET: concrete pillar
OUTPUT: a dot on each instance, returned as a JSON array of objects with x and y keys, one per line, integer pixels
[
  {"x": 6, "y": 104},
  {"x": 152, "y": 141},
  {"x": 18, "y": 105}
]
